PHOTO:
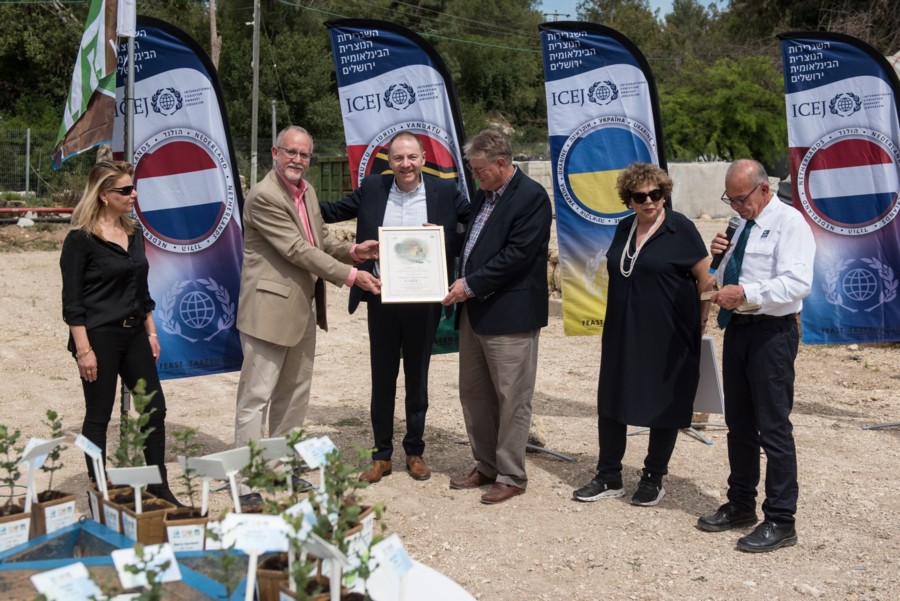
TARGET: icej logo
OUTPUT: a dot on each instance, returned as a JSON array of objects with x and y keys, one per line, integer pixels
[
  {"x": 166, "y": 101},
  {"x": 862, "y": 284},
  {"x": 189, "y": 311},
  {"x": 603, "y": 92},
  {"x": 848, "y": 181},
  {"x": 591, "y": 159},
  {"x": 187, "y": 190},
  {"x": 844, "y": 104},
  {"x": 399, "y": 96}
]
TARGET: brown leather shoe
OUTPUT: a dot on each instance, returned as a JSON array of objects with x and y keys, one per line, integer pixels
[
  {"x": 473, "y": 480},
  {"x": 500, "y": 492},
  {"x": 416, "y": 467},
  {"x": 374, "y": 474}
]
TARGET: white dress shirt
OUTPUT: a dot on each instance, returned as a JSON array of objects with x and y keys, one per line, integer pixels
[
  {"x": 777, "y": 271},
  {"x": 405, "y": 209}
]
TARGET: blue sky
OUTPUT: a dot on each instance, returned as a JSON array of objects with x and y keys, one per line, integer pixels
[{"x": 568, "y": 6}]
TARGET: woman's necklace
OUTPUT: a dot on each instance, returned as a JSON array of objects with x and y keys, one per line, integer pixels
[{"x": 626, "y": 253}]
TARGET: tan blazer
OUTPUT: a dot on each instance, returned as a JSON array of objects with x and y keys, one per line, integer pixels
[{"x": 277, "y": 283}]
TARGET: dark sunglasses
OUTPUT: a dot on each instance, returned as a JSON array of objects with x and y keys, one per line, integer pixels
[
  {"x": 126, "y": 190},
  {"x": 641, "y": 197}
]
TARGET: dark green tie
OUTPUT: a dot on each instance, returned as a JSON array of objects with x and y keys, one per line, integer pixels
[{"x": 733, "y": 270}]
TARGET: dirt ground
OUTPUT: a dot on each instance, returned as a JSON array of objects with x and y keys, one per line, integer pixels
[{"x": 542, "y": 545}]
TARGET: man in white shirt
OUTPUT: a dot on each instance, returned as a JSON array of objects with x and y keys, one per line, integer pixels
[{"x": 767, "y": 272}]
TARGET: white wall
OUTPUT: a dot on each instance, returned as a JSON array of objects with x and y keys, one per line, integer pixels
[{"x": 698, "y": 186}]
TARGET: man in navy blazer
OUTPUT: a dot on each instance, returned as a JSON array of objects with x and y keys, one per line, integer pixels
[
  {"x": 406, "y": 198},
  {"x": 503, "y": 291}
]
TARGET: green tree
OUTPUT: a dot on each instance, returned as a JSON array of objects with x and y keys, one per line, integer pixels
[{"x": 733, "y": 108}]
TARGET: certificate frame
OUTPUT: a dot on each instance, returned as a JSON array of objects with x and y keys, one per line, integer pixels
[{"x": 413, "y": 264}]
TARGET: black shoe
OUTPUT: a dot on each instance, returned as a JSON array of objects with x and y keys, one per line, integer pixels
[
  {"x": 299, "y": 484},
  {"x": 602, "y": 486},
  {"x": 726, "y": 518},
  {"x": 250, "y": 502},
  {"x": 162, "y": 491},
  {"x": 768, "y": 536},
  {"x": 650, "y": 490}
]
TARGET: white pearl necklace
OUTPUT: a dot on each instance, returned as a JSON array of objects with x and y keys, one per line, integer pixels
[{"x": 637, "y": 247}]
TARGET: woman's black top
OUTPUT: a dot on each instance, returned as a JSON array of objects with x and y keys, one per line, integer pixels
[{"x": 102, "y": 283}]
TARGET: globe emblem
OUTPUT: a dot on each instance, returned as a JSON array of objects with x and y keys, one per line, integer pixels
[
  {"x": 167, "y": 102},
  {"x": 603, "y": 94},
  {"x": 845, "y": 105},
  {"x": 399, "y": 96},
  {"x": 859, "y": 284},
  {"x": 196, "y": 309}
]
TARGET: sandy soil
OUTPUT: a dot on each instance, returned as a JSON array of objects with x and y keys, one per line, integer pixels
[{"x": 542, "y": 545}]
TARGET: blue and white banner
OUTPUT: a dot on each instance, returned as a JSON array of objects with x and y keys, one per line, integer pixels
[
  {"x": 602, "y": 115},
  {"x": 189, "y": 199},
  {"x": 844, "y": 137},
  {"x": 390, "y": 80}
]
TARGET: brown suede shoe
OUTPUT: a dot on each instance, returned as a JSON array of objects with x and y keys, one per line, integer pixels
[
  {"x": 500, "y": 492},
  {"x": 416, "y": 467},
  {"x": 379, "y": 469},
  {"x": 473, "y": 480}
]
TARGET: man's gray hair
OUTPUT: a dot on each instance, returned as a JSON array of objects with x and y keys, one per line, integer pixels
[
  {"x": 490, "y": 145},
  {"x": 279, "y": 140},
  {"x": 753, "y": 169}
]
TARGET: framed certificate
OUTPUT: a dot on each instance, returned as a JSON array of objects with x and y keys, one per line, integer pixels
[{"x": 413, "y": 264}]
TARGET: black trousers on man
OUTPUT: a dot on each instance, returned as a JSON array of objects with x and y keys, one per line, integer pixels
[
  {"x": 758, "y": 373},
  {"x": 394, "y": 329}
]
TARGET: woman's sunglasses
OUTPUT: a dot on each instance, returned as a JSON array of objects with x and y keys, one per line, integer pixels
[
  {"x": 126, "y": 190},
  {"x": 641, "y": 197}
]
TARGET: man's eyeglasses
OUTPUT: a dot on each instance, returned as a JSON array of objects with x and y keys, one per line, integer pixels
[
  {"x": 739, "y": 201},
  {"x": 641, "y": 197},
  {"x": 479, "y": 170},
  {"x": 295, "y": 154},
  {"x": 126, "y": 190}
]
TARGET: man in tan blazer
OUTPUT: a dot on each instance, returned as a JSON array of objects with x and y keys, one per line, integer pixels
[{"x": 287, "y": 259}]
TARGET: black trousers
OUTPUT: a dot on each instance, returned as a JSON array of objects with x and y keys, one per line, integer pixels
[
  {"x": 612, "y": 448},
  {"x": 123, "y": 352},
  {"x": 758, "y": 373},
  {"x": 393, "y": 328}
]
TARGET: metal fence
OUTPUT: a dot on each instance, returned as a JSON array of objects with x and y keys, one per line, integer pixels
[
  {"x": 26, "y": 170},
  {"x": 25, "y": 166}
]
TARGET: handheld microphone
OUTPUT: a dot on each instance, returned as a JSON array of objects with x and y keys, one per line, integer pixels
[{"x": 733, "y": 225}]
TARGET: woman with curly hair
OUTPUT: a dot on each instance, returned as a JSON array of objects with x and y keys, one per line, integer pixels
[{"x": 650, "y": 355}]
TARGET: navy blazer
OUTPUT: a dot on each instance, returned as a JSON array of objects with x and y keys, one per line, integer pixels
[
  {"x": 507, "y": 267},
  {"x": 445, "y": 206}
]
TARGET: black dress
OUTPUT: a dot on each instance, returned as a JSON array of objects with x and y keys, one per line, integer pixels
[{"x": 650, "y": 358}]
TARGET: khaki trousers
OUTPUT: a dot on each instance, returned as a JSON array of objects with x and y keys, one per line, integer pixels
[
  {"x": 274, "y": 379},
  {"x": 496, "y": 387}
]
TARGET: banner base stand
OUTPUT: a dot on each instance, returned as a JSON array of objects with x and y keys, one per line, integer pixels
[
  {"x": 882, "y": 426},
  {"x": 537, "y": 449}
]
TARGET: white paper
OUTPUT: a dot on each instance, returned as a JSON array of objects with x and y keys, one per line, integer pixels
[
  {"x": 186, "y": 538},
  {"x": 314, "y": 450},
  {"x": 59, "y": 516},
  {"x": 69, "y": 583},
  {"x": 391, "y": 554},
  {"x": 255, "y": 533},
  {"x": 111, "y": 517},
  {"x": 155, "y": 555},
  {"x": 14, "y": 533},
  {"x": 310, "y": 519},
  {"x": 92, "y": 450}
]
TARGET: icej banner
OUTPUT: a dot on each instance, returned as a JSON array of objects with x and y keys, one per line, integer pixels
[
  {"x": 390, "y": 80},
  {"x": 602, "y": 115},
  {"x": 844, "y": 138},
  {"x": 189, "y": 199}
]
